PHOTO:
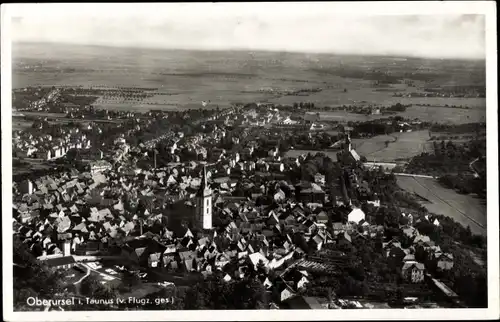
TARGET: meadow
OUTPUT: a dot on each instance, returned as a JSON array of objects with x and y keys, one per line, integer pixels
[
  {"x": 361, "y": 92},
  {"x": 468, "y": 210},
  {"x": 20, "y": 124},
  {"x": 423, "y": 113},
  {"x": 401, "y": 146}
]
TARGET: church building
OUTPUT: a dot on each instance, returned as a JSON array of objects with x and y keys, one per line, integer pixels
[
  {"x": 204, "y": 204},
  {"x": 348, "y": 155}
]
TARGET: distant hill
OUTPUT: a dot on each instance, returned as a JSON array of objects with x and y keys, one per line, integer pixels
[{"x": 313, "y": 67}]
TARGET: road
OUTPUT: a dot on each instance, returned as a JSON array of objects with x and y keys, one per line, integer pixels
[
  {"x": 472, "y": 168},
  {"x": 414, "y": 175},
  {"x": 83, "y": 277},
  {"x": 402, "y": 174},
  {"x": 100, "y": 273}
]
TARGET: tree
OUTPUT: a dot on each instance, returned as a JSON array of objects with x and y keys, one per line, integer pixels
[
  {"x": 196, "y": 298},
  {"x": 259, "y": 299},
  {"x": 215, "y": 293},
  {"x": 261, "y": 267},
  {"x": 90, "y": 286},
  {"x": 250, "y": 294},
  {"x": 130, "y": 280},
  {"x": 106, "y": 291},
  {"x": 300, "y": 241},
  {"x": 421, "y": 254},
  {"x": 32, "y": 276}
]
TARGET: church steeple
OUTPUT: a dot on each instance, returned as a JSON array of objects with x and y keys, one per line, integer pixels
[
  {"x": 348, "y": 145},
  {"x": 204, "y": 178},
  {"x": 204, "y": 203},
  {"x": 204, "y": 184}
]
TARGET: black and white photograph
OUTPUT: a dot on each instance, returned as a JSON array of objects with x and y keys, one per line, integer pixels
[{"x": 252, "y": 160}]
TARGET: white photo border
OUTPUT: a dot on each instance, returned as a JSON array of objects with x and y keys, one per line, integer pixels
[{"x": 487, "y": 8}]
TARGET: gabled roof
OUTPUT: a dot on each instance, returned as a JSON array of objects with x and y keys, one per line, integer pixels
[
  {"x": 186, "y": 255},
  {"x": 81, "y": 227},
  {"x": 154, "y": 256},
  {"x": 317, "y": 239},
  {"x": 63, "y": 224},
  {"x": 446, "y": 256},
  {"x": 347, "y": 236},
  {"x": 202, "y": 241},
  {"x": 408, "y": 265},
  {"x": 255, "y": 258},
  {"x": 409, "y": 258},
  {"x": 140, "y": 251}
]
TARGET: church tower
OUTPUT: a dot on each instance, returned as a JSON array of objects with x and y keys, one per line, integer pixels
[
  {"x": 348, "y": 145},
  {"x": 204, "y": 203}
]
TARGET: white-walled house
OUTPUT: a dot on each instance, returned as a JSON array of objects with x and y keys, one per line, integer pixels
[{"x": 356, "y": 215}]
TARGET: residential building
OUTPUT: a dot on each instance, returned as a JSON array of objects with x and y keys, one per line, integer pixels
[
  {"x": 64, "y": 262},
  {"x": 445, "y": 261},
  {"x": 99, "y": 166},
  {"x": 413, "y": 271}
]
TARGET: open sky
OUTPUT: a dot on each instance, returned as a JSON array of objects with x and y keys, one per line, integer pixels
[{"x": 317, "y": 27}]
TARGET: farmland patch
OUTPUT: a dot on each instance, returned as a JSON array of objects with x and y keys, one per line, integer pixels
[{"x": 393, "y": 147}]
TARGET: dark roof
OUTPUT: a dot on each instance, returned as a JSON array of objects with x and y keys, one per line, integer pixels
[
  {"x": 302, "y": 302},
  {"x": 59, "y": 261},
  {"x": 151, "y": 244}
]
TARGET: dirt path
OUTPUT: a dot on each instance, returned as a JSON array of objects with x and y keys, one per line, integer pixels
[
  {"x": 83, "y": 277},
  {"x": 383, "y": 148},
  {"x": 100, "y": 273}
]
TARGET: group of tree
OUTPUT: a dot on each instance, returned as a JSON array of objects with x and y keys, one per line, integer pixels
[
  {"x": 398, "y": 107},
  {"x": 216, "y": 294},
  {"x": 448, "y": 158},
  {"x": 79, "y": 100},
  {"x": 303, "y": 105},
  {"x": 459, "y": 128},
  {"x": 318, "y": 163},
  {"x": 31, "y": 278},
  {"x": 464, "y": 184}
]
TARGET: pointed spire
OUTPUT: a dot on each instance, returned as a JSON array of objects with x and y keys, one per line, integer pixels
[
  {"x": 348, "y": 141},
  {"x": 204, "y": 179}
]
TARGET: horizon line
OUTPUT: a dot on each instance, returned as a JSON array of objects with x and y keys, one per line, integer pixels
[{"x": 388, "y": 55}]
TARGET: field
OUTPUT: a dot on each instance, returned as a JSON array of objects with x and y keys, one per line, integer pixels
[
  {"x": 401, "y": 146},
  {"x": 465, "y": 209},
  {"x": 20, "y": 124},
  {"x": 423, "y": 113},
  {"x": 362, "y": 93},
  {"x": 42, "y": 114},
  {"x": 183, "y": 79},
  {"x": 446, "y": 114}
]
